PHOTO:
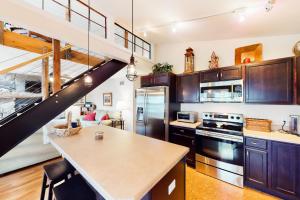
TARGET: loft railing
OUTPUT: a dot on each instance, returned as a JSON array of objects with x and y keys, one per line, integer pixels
[
  {"x": 76, "y": 12},
  {"x": 123, "y": 37}
]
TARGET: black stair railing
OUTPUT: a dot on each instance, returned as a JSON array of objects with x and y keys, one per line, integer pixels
[{"x": 18, "y": 128}]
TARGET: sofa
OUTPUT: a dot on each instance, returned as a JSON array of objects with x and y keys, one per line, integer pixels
[{"x": 99, "y": 114}]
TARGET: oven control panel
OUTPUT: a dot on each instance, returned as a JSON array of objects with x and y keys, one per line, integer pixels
[{"x": 227, "y": 117}]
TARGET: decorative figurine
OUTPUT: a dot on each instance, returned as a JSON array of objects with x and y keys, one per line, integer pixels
[
  {"x": 214, "y": 62},
  {"x": 189, "y": 61}
]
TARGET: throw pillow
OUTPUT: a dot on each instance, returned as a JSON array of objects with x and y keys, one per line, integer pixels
[
  {"x": 90, "y": 117},
  {"x": 105, "y": 117}
]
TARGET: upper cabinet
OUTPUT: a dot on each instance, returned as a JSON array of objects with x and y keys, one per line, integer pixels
[
  {"x": 221, "y": 74},
  {"x": 270, "y": 82},
  {"x": 162, "y": 79},
  {"x": 188, "y": 88}
]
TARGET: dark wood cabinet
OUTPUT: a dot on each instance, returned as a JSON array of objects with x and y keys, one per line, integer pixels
[
  {"x": 188, "y": 88},
  {"x": 210, "y": 75},
  {"x": 297, "y": 80},
  {"x": 270, "y": 82},
  {"x": 162, "y": 79},
  {"x": 184, "y": 137},
  {"x": 273, "y": 167},
  {"x": 221, "y": 74},
  {"x": 256, "y": 167},
  {"x": 285, "y": 168},
  {"x": 147, "y": 81},
  {"x": 230, "y": 73}
]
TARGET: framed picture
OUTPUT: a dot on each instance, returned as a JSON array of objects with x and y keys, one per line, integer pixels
[{"x": 107, "y": 99}]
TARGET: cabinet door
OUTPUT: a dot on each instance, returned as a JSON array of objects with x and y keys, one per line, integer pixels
[
  {"x": 161, "y": 79},
  {"x": 188, "y": 88},
  {"x": 210, "y": 75},
  {"x": 285, "y": 168},
  {"x": 297, "y": 91},
  {"x": 147, "y": 81},
  {"x": 270, "y": 82},
  {"x": 187, "y": 142},
  {"x": 230, "y": 73},
  {"x": 256, "y": 167}
]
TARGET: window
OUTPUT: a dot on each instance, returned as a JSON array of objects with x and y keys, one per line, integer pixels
[{"x": 124, "y": 38}]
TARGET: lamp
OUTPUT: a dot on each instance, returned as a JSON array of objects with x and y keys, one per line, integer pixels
[
  {"x": 131, "y": 69},
  {"x": 121, "y": 106}
]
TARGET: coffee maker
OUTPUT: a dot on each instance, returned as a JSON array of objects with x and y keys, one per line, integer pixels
[{"x": 295, "y": 124}]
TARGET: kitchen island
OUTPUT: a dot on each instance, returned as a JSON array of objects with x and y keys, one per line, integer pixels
[{"x": 125, "y": 165}]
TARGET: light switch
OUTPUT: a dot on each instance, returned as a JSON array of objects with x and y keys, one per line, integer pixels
[{"x": 171, "y": 187}]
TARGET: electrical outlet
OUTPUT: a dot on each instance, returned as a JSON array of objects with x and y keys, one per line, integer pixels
[{"x": 171, "y": 187}]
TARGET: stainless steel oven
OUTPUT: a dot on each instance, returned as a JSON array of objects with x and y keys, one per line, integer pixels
[
  {"x": 222, "y": 91},
  {"x": 220, "y": 147}
]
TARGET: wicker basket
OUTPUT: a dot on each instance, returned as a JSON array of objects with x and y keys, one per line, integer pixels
[
  {"x": 65, "y": 130},
  {"x": 263, "y": 125}
]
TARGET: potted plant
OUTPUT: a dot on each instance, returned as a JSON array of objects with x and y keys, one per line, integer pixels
[{"x": 162, "y": 68}]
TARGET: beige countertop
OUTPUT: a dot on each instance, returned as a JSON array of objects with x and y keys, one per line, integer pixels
[
  {"x": 185, "y": 124},
  {"x": 122, "y": 165},
  {"x": 274, "y": 135}
]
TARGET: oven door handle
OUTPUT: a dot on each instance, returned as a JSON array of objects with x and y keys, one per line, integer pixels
[{"x": 221, "y": 136}]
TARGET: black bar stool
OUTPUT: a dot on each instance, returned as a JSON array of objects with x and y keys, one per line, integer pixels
[
  {"x": 54, "y": 173},
  {"x": 74, "y": 189}
]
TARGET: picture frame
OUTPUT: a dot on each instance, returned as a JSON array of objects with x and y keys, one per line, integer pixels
[{"x": 107, "y": 99}]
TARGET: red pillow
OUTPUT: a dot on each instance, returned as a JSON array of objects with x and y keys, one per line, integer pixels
[
  {"x": 90, "y": 117},
  {"x": 105, "y": 117}
]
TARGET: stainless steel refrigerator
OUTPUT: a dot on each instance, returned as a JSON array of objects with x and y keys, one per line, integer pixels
[{"x": 152, "y": 112}]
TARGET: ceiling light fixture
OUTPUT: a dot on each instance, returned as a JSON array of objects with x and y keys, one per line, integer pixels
[
  {"x": 145, "y": 34},
  {"x": 88, "y": 79},
  {"x": 131, "y": 69}
]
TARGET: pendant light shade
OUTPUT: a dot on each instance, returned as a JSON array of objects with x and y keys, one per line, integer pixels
[
  {"x": 88, "y": 80},
  {"x": 131, "y": 69}
]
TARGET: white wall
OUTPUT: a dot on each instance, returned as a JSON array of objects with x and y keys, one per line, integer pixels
[
  {"x": 273, "y": 47},
  {"x": 119, "y": 92}
]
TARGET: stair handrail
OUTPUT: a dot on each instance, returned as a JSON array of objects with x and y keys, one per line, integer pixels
[{"x": 22, "y": 64}]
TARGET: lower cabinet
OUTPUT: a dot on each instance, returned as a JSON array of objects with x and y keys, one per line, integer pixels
[
  {"x": 274, "y": 169},
  {"x": 285, "y": 168},
  {"x": 184, "y": 137},
  {"x": 256, "y": 167}
]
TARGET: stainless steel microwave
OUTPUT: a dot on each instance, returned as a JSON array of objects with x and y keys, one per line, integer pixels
[
  {"x": 222, "y": 91},
  {"x": 190, "y": 117}
]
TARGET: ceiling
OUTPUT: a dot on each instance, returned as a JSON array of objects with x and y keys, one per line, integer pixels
[{"x": 150, "y": 14}]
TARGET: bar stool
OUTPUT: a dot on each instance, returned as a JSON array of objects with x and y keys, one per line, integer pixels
[
  {"x": 74, "y": 189},
  {"x": 54, "y": 173}
]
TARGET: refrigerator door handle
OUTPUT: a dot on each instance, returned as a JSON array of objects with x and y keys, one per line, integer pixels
[{"x": 146, "y": 109}]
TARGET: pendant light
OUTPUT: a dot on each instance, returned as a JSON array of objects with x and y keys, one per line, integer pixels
[
  {"x": 88, "y": 79},
  {"x": 131, "y": 69}
]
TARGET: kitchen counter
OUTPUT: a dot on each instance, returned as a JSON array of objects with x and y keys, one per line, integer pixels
[
  {"x": 274, "y": 135},
  {"x": 185, "y": 124},
  {"x": 122, "y": 165}
]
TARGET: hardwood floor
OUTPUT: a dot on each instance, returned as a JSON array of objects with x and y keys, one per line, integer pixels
[{"x": 26, "y": 184}]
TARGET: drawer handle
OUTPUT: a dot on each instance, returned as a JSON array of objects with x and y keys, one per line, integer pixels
[
  {"x": 253, "y": 143},
  {"x": 182, "y": 131}
]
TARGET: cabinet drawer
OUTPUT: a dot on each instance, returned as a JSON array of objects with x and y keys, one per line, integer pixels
[
  {"x": 256, "y": 143},
  {"x": 183, "y": 131}
]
